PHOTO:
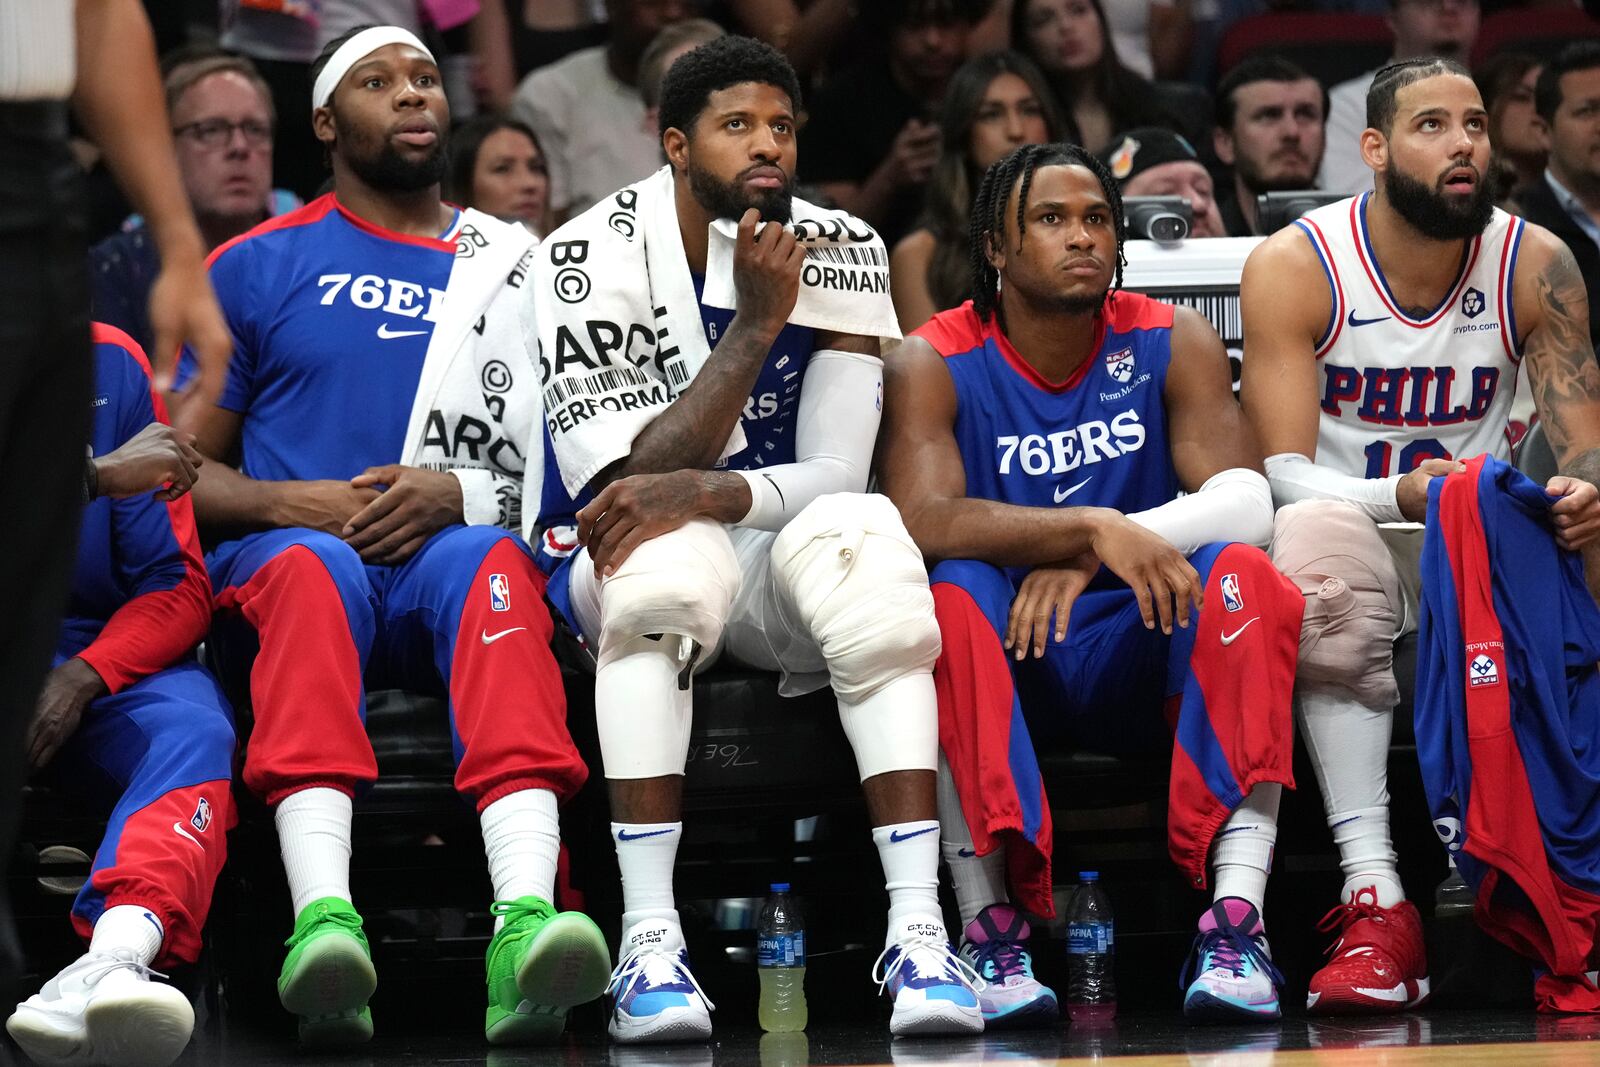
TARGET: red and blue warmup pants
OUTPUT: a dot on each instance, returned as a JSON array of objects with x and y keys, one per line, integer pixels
[
  {"x": 464, "y": 618},
  {"x": 1114, "y": 686},
  {"x": 163, "y": 748}
]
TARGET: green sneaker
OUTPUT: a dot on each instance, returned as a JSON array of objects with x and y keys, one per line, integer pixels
[
  {"x": 327, "y": 977},
  {"x": 540, "y": 964}
]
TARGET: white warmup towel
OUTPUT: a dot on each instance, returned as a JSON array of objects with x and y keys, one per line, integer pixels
[
  {"x": 620, "y": 330},
  {"x": 477, "y": 412}
]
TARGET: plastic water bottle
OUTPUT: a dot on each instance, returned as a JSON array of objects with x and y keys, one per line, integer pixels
[
  {"x": 781, "y": 962},
  {"x": 1453, "y": 898},
  {"x": 1091, "y": 985}
]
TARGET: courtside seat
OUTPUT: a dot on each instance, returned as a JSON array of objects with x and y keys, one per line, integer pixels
[{"x": 1331, "y": 48}]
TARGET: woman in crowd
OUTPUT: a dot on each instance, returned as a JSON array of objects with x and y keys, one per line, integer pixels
[
  {"x": 1070, "y": 40},
  {"x": 1506, "y": 82},
  {"x": 496, "y": 166},
  {"x": 995, "y": 103}
]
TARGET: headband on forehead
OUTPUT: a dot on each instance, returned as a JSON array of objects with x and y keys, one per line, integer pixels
[{"x": 354, "y": 51}]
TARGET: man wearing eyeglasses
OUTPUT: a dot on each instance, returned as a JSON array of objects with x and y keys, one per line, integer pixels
[
  {"x": 222, "y": 124},
  {"x": 1443, "y": 28}
]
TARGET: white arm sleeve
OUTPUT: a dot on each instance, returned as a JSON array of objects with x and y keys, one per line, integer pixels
[
  {"x": 1295, "y": 477},
  {"x": 1233, "y": 505},
  {"x": 841, "y": 401}
]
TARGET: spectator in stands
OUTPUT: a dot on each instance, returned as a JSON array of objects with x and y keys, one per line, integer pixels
[
  {"x": 1443, "y": 28},
  {"x": 872, "y": 139},
  {"x": 995, "y": 103},
  {"x": 1151, "y": 161},
  {"x": 668, "y": 45},
  {"x": 222, "y": 123},
  {"x": 1506, "y": 82},
  {"x": 1567, "y": 200},
  {"x": 496, "y": 166},
  {"x": 1270, "y": 117},
  {"x": 1152, "y": 36},
  {"x": 128, "y": 716},
  {"x": 1099, "y": 95},
  {"x": 587, "y": 111}
]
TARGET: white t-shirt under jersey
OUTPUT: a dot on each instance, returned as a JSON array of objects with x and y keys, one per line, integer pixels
[{"x": 1396, "y": 390}]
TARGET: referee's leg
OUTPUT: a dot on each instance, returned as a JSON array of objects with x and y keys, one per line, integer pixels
[{"x": 44, "y": 420}]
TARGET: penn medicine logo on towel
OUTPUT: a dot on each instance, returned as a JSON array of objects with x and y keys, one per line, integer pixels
[
  {"x": 1482, "y": 671},
  {"x": 499, "y": 593},
  {"x": 1232, "y": 599},
  {"x": 201, "y": 819}
]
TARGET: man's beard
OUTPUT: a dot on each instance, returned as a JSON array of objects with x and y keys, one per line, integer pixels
[
  {"x": 727, "y": 200},
  {"x": 1431, "y": 214},
  {"x": 391, "y": 171}
]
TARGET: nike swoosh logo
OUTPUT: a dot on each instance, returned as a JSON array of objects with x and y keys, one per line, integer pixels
[
  {"x": 1228, "y": 639},
  {"x": 1394, "y": 996},
  {"x": 1062, "y": 494},
  {"x": 178, "y": 828},
  {"x": 623, "y": 835},
  {"x": 895, "y": 836},
  {"x": 1353, "y": 321},
  {"x": 388, "y": 334},
  {"x": 965, "y": 853},
  {"x": 489, "y": 638}
]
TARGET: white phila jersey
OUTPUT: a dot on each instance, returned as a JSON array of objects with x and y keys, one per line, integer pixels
[{"x": 1397, "y": 390}]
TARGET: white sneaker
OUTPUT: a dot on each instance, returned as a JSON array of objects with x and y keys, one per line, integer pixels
[
  {"x": 934, "y": 990},
  {"x": 103, "y": 1009},
  {"x": 654, "y": 994}
]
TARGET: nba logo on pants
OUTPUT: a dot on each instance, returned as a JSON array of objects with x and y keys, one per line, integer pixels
[
  {"x": 201, "y": 819},
  {"x": 499, "y": 593},
  {"x": 1232, "y": 599}
]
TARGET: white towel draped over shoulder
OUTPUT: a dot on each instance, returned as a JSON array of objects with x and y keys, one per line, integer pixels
[
  {"x": 620, "y": 331},
  {"x": 477, "y": 412}
]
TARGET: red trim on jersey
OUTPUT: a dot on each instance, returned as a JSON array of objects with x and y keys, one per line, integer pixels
[
  {"x": 301, "y": 216},
  {"x": 1339, "y": 302},
  {"x": 1508, "y": 323},
  {"x": 1003, "y": 344},
  {"x": 1374, "y": 272},
  {"x": 375, "y": 230},
  {"x": 952, "y": 332}
]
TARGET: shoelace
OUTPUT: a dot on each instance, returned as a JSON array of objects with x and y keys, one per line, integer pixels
[
  {"x": 106, "y": 962},
  {"x": 515, "y": 910},
  {"x": 1006, "y": 957},
  {"x": 347, "y": 919},
  {"x": 1342, "y": 916},
  {"x": 950, "y": 965},
  {"x": 1228, "y": 947},
  {"x": 658, "y": 968}
]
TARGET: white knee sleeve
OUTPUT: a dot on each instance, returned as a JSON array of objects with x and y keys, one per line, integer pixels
[
  {"x": 894, "y": 728},
  {"x": 1354, "y": 604},
  {"x": 681, "y": 582},
  {"x": 857, "y": 581},
  {"x": 664, "y": 606}
]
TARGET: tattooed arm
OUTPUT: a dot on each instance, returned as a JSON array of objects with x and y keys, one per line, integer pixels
[{"x": 1560, "y": 363}]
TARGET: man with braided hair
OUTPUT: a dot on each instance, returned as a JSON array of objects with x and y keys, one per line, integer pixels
[{"x": 1034, "y": 443}]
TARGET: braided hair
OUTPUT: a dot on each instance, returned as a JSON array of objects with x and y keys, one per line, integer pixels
[{"x": 988, "y": 209}]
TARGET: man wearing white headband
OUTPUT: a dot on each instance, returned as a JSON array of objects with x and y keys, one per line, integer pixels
[{"x": 381, "y": 407}]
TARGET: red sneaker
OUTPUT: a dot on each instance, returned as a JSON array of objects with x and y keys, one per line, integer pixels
[{"x": 1378, "y": 965}]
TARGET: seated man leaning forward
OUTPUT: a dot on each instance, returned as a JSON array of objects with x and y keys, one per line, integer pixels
[
  {"x": 780, "y": 561},
  {"x": 381, "y": 397},
  {"x": 128, "y": 715},
  {"x": 1035, "y": 440}
]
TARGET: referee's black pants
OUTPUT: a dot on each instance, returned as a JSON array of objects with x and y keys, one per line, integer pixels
[{"x": 45, "y": 374}]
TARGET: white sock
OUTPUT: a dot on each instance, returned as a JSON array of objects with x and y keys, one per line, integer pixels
[
  {"x": 646, "y": 855},
  {"x": 314, "y": 838},
  {"x": 128, "y": 926},
  {"x": 1241, "y": 853},
  {"x": 909, "y": 852},
  {"x": 1349, "y": 747},
  {"x": 522, "y": 839},
  {"x": 978, "y": 880}
]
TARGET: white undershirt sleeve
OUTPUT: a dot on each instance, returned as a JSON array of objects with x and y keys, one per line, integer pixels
[
  {"x": 1295, "y": 477},
  {"x": 1233, "y": 505},
  {"x": 841, "y": 403}
]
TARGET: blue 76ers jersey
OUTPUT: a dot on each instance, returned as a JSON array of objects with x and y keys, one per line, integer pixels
[
  {"x": 1096, "y": 440},
  {"x": 331, "y": 318}
]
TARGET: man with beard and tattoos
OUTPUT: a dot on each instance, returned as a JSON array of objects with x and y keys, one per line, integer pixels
[
  {"x": 1383, "y": 339},
  {"x": 778, "y": 559},
  {"x": 349, "y": 570}
]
